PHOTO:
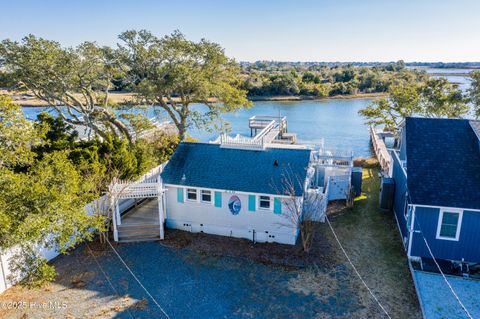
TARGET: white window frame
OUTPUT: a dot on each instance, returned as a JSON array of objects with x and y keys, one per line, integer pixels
[
  {"x": 459, "y": 223},
  {"x": 196, "y": 192},
  {"x": 260, "y": 200},
  {"x": 201, "y": 196}
]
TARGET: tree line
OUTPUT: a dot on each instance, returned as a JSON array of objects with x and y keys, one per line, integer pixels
[
  {"x": 263, "y": 79},
  {"x": 435, "y": 97}
]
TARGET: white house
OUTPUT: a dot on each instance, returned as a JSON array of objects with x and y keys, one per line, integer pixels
[
  {"x": 234, "y": 192},
  {"x": 236, "y": 186}
]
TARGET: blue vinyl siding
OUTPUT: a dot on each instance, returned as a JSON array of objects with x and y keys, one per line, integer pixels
[
  {"x": 277, "y": 205},
  {"x": 218, "y": 199},
  {"x": 403, "y": 146},
  {"x": 400, "y": 199},
  {"x": 180, "y": 195},
  {"x": 251, "y": 203},
  {"x": 466, "y": 247}
]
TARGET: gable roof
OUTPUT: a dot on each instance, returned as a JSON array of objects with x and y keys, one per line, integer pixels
[
  {"x": 443, "y": 162},
  {"x": 475, "y": 124},
  {"x": 210, "y": 166}
]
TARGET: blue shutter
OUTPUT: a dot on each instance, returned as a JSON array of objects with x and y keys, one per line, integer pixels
[
  {"x": 277, "y": 205},
  {"x": 251, "y": 203},
  {"x": 180, "y": 195},
  {"x": 218, "y": 199}
]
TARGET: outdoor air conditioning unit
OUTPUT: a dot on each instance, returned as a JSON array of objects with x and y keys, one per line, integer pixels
[{"x": 387, "y": 192}]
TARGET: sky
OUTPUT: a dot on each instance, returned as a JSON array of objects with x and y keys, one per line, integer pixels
[{"x": 251, "y": 30}]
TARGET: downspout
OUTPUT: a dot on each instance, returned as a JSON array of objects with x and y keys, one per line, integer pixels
[{"x": 412, "y": 223}]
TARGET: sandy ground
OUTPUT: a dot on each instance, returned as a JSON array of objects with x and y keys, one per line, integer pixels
[
  {"x": 28, "y": 100},
  {"x": 200, "y": 276}
]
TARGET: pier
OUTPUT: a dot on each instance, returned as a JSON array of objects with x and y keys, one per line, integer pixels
[{"x": 381, "y": 152}]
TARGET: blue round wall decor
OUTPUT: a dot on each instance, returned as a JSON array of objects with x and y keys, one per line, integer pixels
[{"x": 234, "y": 204}]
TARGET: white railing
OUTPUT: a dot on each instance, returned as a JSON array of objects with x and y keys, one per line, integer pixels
[
  {"x": 324, "y": 202},
  {"x": 381, "y": 152},
  {"x": 241, "y": 142},
  {"x": 316, "y": 201},
  {"x": 149, "y": 185},
  {"x": 265, "y": 130},
  {"x": 261, "y": 121},
  {"x": 137, "y": 190}
]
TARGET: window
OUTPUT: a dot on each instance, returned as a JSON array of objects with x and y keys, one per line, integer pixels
[
  {"x": 449, "y": 224},
  {"x": 264, "y": 202},
  {"x": 191, "y": 194},
  {"x": 206, "y": 196}
]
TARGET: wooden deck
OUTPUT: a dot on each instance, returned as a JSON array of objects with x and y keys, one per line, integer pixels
[
  {"x": 381, "y": 151},
  {"x": 144, "y": 214}
]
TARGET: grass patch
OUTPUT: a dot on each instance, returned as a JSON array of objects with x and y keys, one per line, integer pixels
[{"x": 371, "y": 239}]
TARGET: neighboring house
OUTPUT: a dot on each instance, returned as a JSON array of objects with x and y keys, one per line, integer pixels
[
  {"x": 236, "y": 186},
  {"x": 437, "y": 189}
]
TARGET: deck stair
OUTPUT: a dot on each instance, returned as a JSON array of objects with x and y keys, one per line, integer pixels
[
  {"x": 140, "y": 232},
  {"x": 264, "y": 131}
]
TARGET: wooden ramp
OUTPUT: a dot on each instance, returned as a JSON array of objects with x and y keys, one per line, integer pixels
[
  {"x": 141, "y": 223},
  {"x": 145, "y": 221}
]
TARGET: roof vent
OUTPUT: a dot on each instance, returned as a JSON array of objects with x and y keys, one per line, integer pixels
[
  {"x": 184, "y": 178},
  {"x": 275, "y": 163}
]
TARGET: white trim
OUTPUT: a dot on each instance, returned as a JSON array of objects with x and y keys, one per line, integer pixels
[
  {"x": 270, "y": 207},
  {"x": 459, "y": 223},
  {"x": 400, "y": 163},
  {"x": 196, "y": 192},
  {"x": 201, "y": 196},
  {"x": 448, "y": 208},
  {"x": 230, "y": 191},
  {"x": 412, "y": 227}
]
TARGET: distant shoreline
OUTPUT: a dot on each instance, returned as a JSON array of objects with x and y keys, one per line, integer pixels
[
  {"x": 313, "y": 98},
  {"x": 25, "y": 100}
]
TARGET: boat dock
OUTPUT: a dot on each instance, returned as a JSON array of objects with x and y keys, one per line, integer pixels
[
  {"x": 377, "y": 137},
  {"x": 270, "y": 129}
]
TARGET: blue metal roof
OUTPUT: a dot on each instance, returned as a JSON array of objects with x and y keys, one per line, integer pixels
[
  {"x": 443, "y": 162},
  {"x": 210, "y": 166}
]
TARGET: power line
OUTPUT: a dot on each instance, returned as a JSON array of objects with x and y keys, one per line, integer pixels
[
  {"x": 355, "y": 269},
  {"x": 443, "y": 275},
  {"x": 106, "y": 277},
  {"x": 138, "y": 281}
]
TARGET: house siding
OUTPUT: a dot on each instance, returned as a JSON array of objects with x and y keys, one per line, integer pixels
[
  {"x": 403, "y": 146},
  {"x": 467, "y": 247},
  {"x": 265, "y": 225},
  {"x": 400, "y": 197}
]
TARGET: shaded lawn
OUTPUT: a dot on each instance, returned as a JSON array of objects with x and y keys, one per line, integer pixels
[
  {"x": 372, "y": 240},
  {"x": 197, "y": 275}
]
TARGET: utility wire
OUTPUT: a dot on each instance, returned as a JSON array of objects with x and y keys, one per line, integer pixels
[
  {"x": 106, "y": 277},
  {"x": 138, "y": 281},
  {"x": 355, "y": 269},
  {"x": 443, "y": 275}
]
